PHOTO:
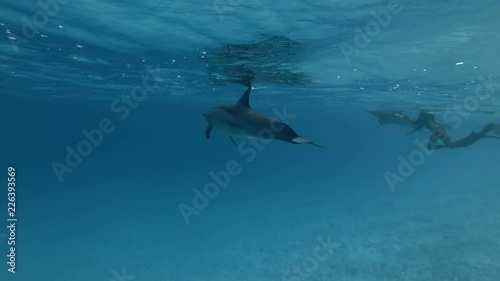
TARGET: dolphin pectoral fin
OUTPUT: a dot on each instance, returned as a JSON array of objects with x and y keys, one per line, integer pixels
[
  {"x": 299, "y": 140},
  {"x": 208, "y": 130},
  {"x": 233, "y": 141}
]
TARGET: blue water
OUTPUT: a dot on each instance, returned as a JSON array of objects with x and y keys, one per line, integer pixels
[{"x": 290, "y": 212}]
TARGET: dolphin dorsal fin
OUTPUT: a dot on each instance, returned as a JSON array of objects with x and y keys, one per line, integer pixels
[{"x": 245, "y": 98}]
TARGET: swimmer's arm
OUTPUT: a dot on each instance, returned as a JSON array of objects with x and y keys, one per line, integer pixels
[{"x": 417, "y": 128}]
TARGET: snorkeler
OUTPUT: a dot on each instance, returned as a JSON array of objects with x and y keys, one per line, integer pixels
[
  {"x": 427, "y": 120},
  {"x": 466, "y": 141}
]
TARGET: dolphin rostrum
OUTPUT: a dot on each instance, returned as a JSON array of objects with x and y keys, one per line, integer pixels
[{"x": 239, "y": 120}]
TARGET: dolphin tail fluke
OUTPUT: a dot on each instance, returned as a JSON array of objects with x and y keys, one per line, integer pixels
[{"x": 299, "y": 140}]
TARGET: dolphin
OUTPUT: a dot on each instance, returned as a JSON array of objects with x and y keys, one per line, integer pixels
[
  {"x": 393, "y": 118},
  {"x": 240, "y": 120}
]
